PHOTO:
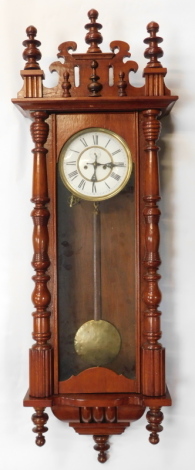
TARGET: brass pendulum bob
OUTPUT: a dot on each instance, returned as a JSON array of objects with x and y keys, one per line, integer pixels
[{"x": 97, "y": 341}]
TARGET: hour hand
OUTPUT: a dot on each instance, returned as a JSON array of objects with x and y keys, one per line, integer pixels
[
  {"x": 94, "y": 177},
  {"x": 94, "y": 180}
]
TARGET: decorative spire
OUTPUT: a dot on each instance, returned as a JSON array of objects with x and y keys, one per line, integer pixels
[
  {"x": 31, "y": 54},
  {"x": 93, "y": 37},
  {"x": 153, "y": 52},
  {"x": 94, "y": 87}
]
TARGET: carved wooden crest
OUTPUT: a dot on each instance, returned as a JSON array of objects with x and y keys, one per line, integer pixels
[{"x": 94, "y": 73}]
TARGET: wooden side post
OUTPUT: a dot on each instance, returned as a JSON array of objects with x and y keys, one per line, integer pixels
[
  {"x": 153, "y": 354},
  {"x": 41, "y": 352}
]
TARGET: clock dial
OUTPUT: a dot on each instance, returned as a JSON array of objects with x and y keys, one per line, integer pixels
[{"x": 95, "y": 164}]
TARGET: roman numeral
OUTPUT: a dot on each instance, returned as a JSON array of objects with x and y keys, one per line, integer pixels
[
  {"x": 107, "y": 185},
  {"x": 84, "y": 142},
  {"x": 76, "y": 151},
  {"x": 94, "y": 190},
  {"x": 95, "y": 139},
  {"x": 71, "y": 163},
  {"x": 107, "y": 143},
  {"x": 115, "y": 176},
  {"x": 82, "y": 184},
  {"x": 116, "y": 151},
  {"x": 73, "y": 175},
  {"x": 119, "y": 164}
]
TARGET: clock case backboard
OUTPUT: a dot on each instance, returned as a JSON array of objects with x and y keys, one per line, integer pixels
[{"x": 94, "y": 90}]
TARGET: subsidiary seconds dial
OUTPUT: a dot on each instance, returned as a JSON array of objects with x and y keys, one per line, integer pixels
[{"x": 95, "y": 164}]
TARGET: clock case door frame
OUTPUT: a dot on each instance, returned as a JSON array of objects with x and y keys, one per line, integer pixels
[
  {"x": 93, "y": 380},
  {"x": 127, "y": 406}
]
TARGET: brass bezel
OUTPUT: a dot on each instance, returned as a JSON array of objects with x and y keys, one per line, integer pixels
[{"x": 77, "y": 192}]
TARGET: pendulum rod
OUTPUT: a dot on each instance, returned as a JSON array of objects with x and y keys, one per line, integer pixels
[
  {"x": 97, "y": 262},
  {"x": 97, "y": 341}
]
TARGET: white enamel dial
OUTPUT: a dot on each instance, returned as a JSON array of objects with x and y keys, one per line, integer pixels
[{"x": 95, "y": 164}]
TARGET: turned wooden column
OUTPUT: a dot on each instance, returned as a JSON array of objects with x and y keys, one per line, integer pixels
[
  {"x": 153, "y": 356},
  {"x": 41, "y": 352}
]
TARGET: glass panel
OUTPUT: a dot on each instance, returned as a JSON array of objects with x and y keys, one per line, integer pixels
[{"x": 76, "y": 281}]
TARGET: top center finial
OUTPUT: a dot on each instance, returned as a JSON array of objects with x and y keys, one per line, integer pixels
[{"x": 93, "y": 37}]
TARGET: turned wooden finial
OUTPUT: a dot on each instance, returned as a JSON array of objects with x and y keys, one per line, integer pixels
[
  {"x": 95, "y": 86},
  {"x": 153, "y": 52},
  {"x": 101, "y": 446},
  {"x": 31, "y": 54},
  {"x": 93, "y": 37},
  {"x": 66, "y": 85}
]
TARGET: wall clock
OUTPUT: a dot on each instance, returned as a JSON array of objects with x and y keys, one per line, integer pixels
[{"x": 96, "y": 360}]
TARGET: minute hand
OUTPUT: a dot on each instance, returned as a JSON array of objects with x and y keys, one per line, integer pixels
[{"x": 111, "y": 164}]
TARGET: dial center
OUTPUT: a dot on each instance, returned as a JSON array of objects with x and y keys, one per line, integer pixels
[{"x": 95, "y": 164}]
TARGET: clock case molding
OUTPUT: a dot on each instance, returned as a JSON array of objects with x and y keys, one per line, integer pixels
[{"x": 104, "y": 93}]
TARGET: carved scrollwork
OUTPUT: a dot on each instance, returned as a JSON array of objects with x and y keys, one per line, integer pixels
[{"x": 154, "y": 73}]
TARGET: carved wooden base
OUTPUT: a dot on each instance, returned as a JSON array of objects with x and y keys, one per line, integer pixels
[
  {"x": 154, "y": 417},
  {"x": 100, "y": 415},
  {"x": 101, "y": 446},
  {"x": 40, "y": 419}
]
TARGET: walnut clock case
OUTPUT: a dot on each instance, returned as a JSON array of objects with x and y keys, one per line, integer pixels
[{"x": 96, "y": 360}]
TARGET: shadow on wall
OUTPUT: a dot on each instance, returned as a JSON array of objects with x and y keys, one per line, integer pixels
[{"x": 167, "y": 253}]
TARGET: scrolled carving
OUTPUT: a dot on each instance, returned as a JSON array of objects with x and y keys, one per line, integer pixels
[
  {"x": 65, "y": 70},
  {"x": 154, "y": 73},
  {"x": 64, "y": 49},
  {"x": 121, "y": 68},
  {"x": 92, "y": 59},
  {"x": 122, "y": 53}
]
